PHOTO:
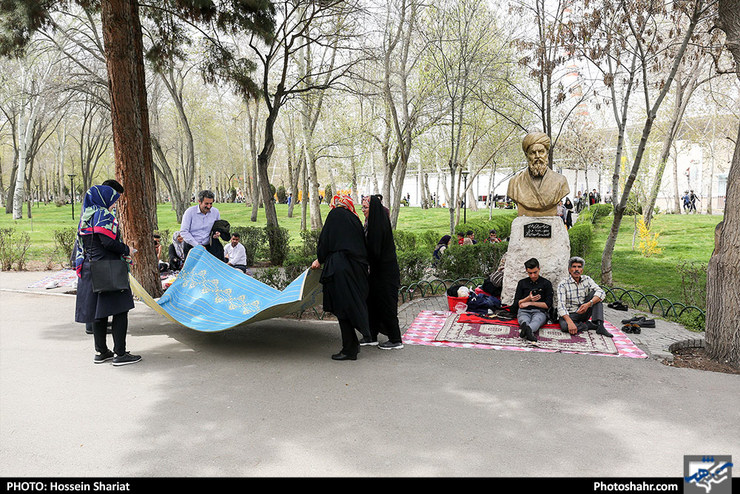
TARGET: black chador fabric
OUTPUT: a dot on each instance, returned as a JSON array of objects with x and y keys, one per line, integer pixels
[
  {"x": 384, "y": 277},
  {"x": 342, "y": 253}
]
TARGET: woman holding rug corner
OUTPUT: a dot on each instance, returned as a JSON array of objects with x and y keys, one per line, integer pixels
[
  {"x": 342, "y": 253},
  {"x": 102, "y": 268}
]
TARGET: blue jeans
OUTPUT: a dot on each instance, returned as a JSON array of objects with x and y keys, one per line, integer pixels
[{"x": 534, "y": 318}]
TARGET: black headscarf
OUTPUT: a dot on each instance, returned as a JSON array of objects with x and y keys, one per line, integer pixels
[{"x": 380, "y": 244}]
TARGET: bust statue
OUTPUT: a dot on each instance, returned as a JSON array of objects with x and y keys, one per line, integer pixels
[{"x": 538, "y": 189}]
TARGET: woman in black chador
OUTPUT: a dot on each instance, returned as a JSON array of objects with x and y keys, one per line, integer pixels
[
  {"x": 342, "y": 253},
  {"x": 384, "y": 278},
  {"x": 98, "y": 239}
]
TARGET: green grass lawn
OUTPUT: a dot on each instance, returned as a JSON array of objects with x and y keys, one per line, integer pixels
[
  {"x": 46, "y": 218},
  {"x": 684, "y": 238}
]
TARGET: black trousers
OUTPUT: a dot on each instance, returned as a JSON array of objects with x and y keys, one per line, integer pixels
[
  {"x": 596, "y": 313},
  {"x": 350, "y": 343},
  {"x": 384, "y": 320},
  {"x": 215, "y": 248},
  {"x": 118, "y": 329}
]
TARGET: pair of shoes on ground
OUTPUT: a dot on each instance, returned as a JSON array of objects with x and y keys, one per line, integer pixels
[
  {"x": 118, "y": 360},
  {"x": 617, "y": 305},
  {"x": 387, "y": 345},
  {"x": 631, "y": 328},
  {"x": 641, "y": 321},
  {"x": 526, "y": 332}
]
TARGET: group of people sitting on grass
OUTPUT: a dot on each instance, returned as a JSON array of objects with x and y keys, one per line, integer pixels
[{"x": 579, "y": 305}]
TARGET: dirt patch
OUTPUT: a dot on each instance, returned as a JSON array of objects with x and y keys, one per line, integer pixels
[{"x": 696, "y": 358}]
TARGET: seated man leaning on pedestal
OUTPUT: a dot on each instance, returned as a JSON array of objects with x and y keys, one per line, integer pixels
[
  {"x": 532, "y": 300},
  {"x": 579, "y": 299},
  {"x": 538, "y": 189}
]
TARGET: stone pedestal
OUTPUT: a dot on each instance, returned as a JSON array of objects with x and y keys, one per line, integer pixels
[{"x": 544, "y": 238}]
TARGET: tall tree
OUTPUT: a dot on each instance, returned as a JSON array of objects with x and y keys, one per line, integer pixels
[
  {"x": 131, "y": 139},
  {"x": 299, "y": 23},
  {"x": 460, "y": 37},
  {"x": 624, "y": 39},
  {"x": 723, "y": 303}
]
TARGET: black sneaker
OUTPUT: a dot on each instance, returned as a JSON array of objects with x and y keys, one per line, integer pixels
[
  {"x": 366, "y": 340},
  {"x": 389, "y": 345},
  {"x": 103, "y": 357},
  {"x": 126, "y": 359}
]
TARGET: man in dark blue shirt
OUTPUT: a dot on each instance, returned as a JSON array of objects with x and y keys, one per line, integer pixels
[{"x": 532, "y": 300}]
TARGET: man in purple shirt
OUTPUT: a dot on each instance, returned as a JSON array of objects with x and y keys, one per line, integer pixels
[{"x": 197, "y": 223}]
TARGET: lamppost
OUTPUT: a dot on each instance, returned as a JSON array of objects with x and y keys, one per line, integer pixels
[
  {"x": 72, "y": 190},
  {"x": 465, "y": 189}
]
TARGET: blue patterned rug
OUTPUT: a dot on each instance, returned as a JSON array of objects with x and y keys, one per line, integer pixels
[{"x": 209, "y": 295}]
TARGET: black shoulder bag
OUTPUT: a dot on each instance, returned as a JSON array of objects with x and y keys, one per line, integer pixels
[{"x": 109, "y": 275}]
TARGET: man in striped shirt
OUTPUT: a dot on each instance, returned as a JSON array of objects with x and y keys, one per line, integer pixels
[{"x": 579, "y": 299}]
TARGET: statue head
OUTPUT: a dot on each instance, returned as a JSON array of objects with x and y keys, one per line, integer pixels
[{"x": 536, "y": 147}]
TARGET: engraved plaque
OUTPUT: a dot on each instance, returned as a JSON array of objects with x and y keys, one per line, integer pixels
[{"x": 537, "y": 230}]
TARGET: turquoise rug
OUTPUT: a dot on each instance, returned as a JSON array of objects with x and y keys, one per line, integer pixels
[{"x": 209, "y": 295}]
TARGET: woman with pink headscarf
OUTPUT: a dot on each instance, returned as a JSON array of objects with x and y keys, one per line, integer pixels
[{"x": 342, "y": 252}]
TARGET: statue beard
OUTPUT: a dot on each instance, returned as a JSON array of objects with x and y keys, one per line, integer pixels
[{"x": 538, "y": 168}]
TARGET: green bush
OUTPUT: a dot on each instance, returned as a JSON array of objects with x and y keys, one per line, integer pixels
[
  {"x": 253, "y": 239},
  {"x": 282, "y": 195},
  {"x": 468, "y": 261},
  {"x": 405, "y": 241},
  {"x": 427, "y": 240},
  {"x": 581, "y": 235},
  {"x": 310, "y": 242},
  {"x": 13, "y": 249},
  {"x": 413, "y": 265},
  {"x": 165, "y": 240},
  {"x": 500, "y": 223},
  {"x": 64, "y": 242},
  {"x": 278, "y": 239},
  {"x": 693, "y": 320},
  {"x": 595, "y": 213},
  {"x": 272, "y": 276}
]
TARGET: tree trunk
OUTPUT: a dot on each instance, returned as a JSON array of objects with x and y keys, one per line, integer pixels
[
  {"x": 723, "y": 302},
  {"x": 131, "y": 144},
  {"x": 263, "y": 162}
]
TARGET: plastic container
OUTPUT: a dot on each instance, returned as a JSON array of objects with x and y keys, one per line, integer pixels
[{"x": 453, "y": 301}]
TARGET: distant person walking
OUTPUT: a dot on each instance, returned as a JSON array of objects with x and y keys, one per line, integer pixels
[{"x": 692, "y": 201}]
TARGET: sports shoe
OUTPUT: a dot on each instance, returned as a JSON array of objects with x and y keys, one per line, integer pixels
[
  {"x": 366, "y": 340},
  {"x": 103, "y": 357},
  {"x": 389, "y": 345},
  {"x": 126, "y": 359}
]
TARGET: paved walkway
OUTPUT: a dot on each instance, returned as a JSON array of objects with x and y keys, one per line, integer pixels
[
  {"x": 656, "y": 341},
  {"x": 265, "y": 400}
]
